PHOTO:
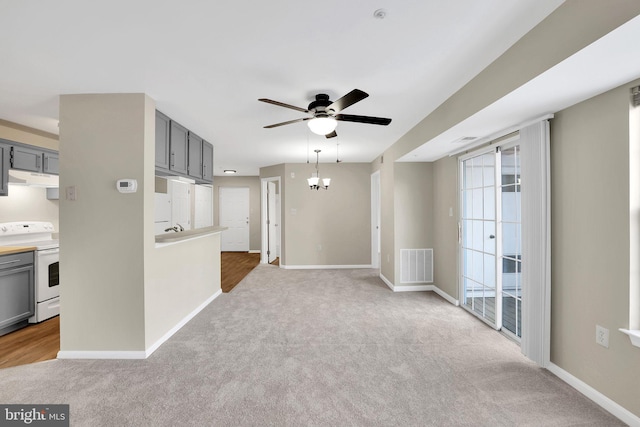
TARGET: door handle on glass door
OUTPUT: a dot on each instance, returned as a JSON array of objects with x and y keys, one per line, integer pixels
[{"x": 491, "y": 236}]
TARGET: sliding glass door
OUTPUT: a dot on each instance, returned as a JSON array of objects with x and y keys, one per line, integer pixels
[{"x": 490, "y": 237}]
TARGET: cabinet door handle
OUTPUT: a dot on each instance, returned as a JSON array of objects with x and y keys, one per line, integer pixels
[
  {"x": 46, "y": 164},
  {"x": 173, "y": 155},
  {"x": 38, "y": 162},
  {"x": 10, "y": 262}
]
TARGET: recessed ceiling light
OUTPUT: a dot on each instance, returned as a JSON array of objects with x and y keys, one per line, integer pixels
[{"x": 230, "y": 171}]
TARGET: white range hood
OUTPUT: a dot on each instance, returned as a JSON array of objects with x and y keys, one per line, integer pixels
[{"x": 32, "y": 179}]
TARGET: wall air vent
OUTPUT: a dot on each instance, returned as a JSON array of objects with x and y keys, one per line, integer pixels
[{"x": 416, "y": 265}]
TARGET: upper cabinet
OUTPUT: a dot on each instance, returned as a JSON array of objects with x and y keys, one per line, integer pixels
[
  {"x": 50, "y": 163},
  {"x": 181, "y": 152},
  {"x": 15, "y": 155},
  {"x": 33, "y": 159},
  {"x": 195, "y": 156},
  {"x": 178, "y": 143},
  {"x": 207, "y": 161},
  {"x": 26, "y": 159},
  {"x": 162, "y": 141},
  {"x": 4, "y": 169}
]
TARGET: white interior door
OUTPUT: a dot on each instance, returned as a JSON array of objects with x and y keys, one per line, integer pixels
[
  {"x": 272, "y": 220},
  {"x": 234, "y": 214},
  {"x": 375, "y": 220}
]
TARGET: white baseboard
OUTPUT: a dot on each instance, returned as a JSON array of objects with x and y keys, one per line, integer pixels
[
  {"x": 446, "y": 296},
  {"x": 418, "y": 288},
  {"x": 255, "y": 251},
  {"x": 323, "y": 267},
  {"x": 609, "y": 405},
  {"x": 138, "y": 354},
  {"x": 102, "y": 354}
]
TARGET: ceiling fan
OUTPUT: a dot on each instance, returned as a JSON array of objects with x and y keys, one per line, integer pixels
[{"x": 326, "y": 113}]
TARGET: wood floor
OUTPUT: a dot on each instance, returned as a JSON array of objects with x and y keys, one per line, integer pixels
[
  {"x": 39, "y": 342},
  {"x": 236, "y": 265}
]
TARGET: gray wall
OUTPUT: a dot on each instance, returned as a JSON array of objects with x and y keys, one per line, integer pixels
[
  {"x": 413, "y": 199},
  {"x": 445, "y": 226},
  {"x": 253, "y": 184},
  {"x": 325, "y": 227},
  {"x": 590, "y": 220}
]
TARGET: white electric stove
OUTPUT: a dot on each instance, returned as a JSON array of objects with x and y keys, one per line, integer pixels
[{"x": 46, "y": 262}]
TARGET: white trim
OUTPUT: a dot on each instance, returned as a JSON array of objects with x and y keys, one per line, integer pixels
[
  {"x": 386, "y": 281},
  {"x": 500, "y": 134},
  {"x": 255, "y": 251},
  {"x": 323, "y": 267},
  {"x": 123, "y": 355},
  {"x": 421, "y": 288},
  {"x": 413, "y": 288},
  {"x": 634, "y": 336},
  {"x": 137, "y": 354},
  {"x": 264, "y": 257},
  {"x": 607, "y": 404},
  {"x": 446, "y": 296}
]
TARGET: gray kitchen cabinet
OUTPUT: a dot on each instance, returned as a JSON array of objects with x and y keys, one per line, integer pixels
[
  {"x": 26, "y": 159},
  {"x": 4, "y": 169},
  {"x": 163, "y": 152},
  {"x": 207, "y": 162},
  {"x": 34, "y": 159},
  {"x": 17, "y": 301},
  {"x": 50, "y": 163},
  {"x": 194, "y": 169},
  {"x": 179, "y": 143}
]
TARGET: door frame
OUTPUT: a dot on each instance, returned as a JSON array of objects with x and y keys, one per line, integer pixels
[{"x": 264, "y": 258}]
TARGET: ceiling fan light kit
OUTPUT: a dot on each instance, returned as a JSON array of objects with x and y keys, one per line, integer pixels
[{"x": 322, "y": 125}]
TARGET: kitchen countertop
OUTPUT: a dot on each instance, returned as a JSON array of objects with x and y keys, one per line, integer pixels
[
  {"x": 8, "y": 250},
  {"x": 187, "y": 234}
]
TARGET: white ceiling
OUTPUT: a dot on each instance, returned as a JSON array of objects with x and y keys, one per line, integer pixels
[{"x": 206, "y": 63}]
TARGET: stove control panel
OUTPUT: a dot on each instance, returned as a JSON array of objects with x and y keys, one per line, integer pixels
[{"x": 18, "y": 228}]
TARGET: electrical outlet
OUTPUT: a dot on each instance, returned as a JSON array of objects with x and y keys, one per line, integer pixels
[{"x": 602, "y": 336}]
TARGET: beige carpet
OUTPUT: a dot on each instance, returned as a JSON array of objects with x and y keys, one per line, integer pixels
[{"x": 321, "y": 348}]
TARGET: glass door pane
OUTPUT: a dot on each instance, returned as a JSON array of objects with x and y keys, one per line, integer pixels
[
  {"x": 479, "y": 237},
  {"x": 511, "y": 241}
]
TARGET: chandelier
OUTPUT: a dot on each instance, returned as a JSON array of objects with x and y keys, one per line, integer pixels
[{"x": 314, "y": 181}]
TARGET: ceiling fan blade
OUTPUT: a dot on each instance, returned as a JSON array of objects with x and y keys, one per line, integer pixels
[
  {"x": 282, "y": 104},
  {"x": 363, "y": 119},
  {"x": 351, "y": 98},
  {"x": 287, "y": 123},
  {"x": 331, "y": 135}
]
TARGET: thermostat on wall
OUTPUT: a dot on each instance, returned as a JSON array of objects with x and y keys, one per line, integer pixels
[{"x": 127, "y": 185}]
